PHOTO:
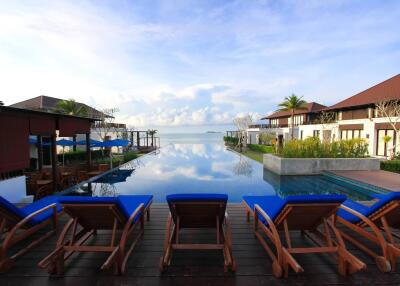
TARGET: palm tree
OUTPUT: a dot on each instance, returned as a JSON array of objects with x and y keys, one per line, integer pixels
[
  {"x": 292, "y": 103},
  {"x": 152, "y": 133},
  {"x": 71, "y": 107}
]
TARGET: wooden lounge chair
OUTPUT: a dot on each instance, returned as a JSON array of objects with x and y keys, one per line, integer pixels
[
  {"x": 373, "y": 223},
  {"x": 273, "y": 215},
  {"x": 17, "y": 224},
  {"x": 89, "y": 214},
  {"x": 198, "y": 211}
]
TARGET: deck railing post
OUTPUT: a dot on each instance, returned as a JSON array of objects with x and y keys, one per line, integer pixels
[{"x": 54, "y": 162}]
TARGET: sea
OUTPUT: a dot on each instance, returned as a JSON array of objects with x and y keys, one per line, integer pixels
[{"x": 191, "y": 138}]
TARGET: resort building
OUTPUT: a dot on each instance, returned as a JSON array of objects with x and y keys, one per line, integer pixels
[
  {"x": 100, "y": 129},
  {"x": 354, "y": 117}
]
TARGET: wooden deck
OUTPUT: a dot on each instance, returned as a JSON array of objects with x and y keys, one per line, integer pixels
[
  {"x": 382, "y": 179},
  {"x": 191, "y": 267}
]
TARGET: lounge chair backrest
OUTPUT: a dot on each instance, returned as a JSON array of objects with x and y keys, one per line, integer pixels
[
  {"x": 390, "y": 203},
  {"x": 94, "y": 212},
  {"x": 197, "y": 210},
  {"x": 307, "y": 212}
]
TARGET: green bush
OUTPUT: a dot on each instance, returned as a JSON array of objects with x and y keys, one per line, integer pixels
[
  {"x": 232, "y": 140},
  {"x": 128, "y": 156},
  {"x": 391, "y": 165},
  {"x": 266, "y": 138},
  {"x": 312, "y": 147},
  {"x": 261, "y": 148},
  {"x": 80, "y": 155}
]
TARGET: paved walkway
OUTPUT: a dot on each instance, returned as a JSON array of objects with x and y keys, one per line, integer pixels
[{"x": 383, "y": 179}]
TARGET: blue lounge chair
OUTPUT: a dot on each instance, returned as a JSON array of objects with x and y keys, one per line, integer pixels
[
  {"x": 17, "y": 224},
  {"x": 89, "y": 214},
  {"x": 198, "y": 211},
  {"x": 378, "y": 219},
  {"x": 299, "y": 213}
]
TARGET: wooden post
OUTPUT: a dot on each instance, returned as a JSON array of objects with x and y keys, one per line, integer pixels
[
  {"x": 147, "y": 139},
  {"x": 40, "y": 152},
  {"x": 88, "y": 154},
  {"x": 138, "y": 138},
  {"x": 54, "y": 160},
  {"x": 132, "y": 138},
  {"x": 74, "y": 140}
]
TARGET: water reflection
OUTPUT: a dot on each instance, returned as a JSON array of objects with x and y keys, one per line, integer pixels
[{"x": 208, "y": 168}]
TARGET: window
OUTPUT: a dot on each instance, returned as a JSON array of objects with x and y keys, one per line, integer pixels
[
  {"x": 350, "y": 134},
  {"x": 316, "y": 133}
]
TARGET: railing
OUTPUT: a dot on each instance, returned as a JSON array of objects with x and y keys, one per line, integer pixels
[{"x": 108, "y": 125}]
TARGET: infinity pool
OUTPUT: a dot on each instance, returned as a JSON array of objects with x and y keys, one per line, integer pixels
[{"x": 205, "y": 168}]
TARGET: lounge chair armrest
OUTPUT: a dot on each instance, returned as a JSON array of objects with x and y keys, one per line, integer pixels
[
  {"x": 139, "y": 209},
  {"x": 258, "y": 210},
  {"x": 368, "y": 222},
  {"x": 27, "y": 219},
  {"x": 359, "y": 215}
]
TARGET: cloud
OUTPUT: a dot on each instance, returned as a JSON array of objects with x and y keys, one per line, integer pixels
[{"x": 193, "y": 63}]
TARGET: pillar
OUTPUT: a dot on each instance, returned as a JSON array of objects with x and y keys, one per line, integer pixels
[
  {"x": 54, "y": 160},
  {"x": 40, "y": 152},
  {"x": 88, "y": 154}
]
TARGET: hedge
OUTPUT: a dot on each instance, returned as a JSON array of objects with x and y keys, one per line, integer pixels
[
  {"x": 391, "y": 165},
  {"x": 261, "y": 148},
  {"x": 233, "y": 140},
  {"x": 128, "y": 156},
  {"x": 312, "y": 147},
  {"x": 80, "y": 155}
]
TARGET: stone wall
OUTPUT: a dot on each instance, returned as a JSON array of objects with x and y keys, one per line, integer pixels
[{"x": 314, "y": 166}]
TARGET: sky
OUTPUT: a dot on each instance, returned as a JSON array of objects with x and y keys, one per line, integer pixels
[{"x": 193, "y": 66}]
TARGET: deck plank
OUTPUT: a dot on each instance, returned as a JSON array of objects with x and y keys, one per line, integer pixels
[{"x": 191, "y": 267}]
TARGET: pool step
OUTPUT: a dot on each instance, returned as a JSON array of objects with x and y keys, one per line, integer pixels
[{"x": 354, "y": 184}]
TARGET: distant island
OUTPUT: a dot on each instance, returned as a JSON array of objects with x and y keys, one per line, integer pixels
[{"x": 213, "y": 132}]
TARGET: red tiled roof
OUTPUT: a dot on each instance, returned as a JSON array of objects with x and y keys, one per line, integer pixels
[
  {"x": 310, "y": 108},
  {"x": 386, "y": 90}
]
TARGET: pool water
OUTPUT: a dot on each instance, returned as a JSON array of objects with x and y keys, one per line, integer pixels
[{"x": 206, "y": 168}]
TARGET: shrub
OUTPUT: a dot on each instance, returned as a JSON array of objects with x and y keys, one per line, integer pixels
[
  {"x": 391, "y": 165},
  {"x": 232, "y": 140},
  {"x": 128, "y": 156},
  {"x": 80, "y": 155},
  {"x": 261, "y": 148},
  {"x": 266, "y": 138},
  {"x": 312, "y": 147}
]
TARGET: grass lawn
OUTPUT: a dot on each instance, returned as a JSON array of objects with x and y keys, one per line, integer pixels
[
  {"x": 258, "y": 156},
  {"x": 256, "y": 151}
]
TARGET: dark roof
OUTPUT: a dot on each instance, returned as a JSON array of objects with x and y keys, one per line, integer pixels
[
  {"x": 41, "y": 112},
  {"x": 48, "y": 104},
  {"x": 386, "y": 90},
  {"x": 311, "y": 107}
]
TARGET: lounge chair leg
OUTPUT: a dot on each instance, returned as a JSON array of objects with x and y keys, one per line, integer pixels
[{"x": 6, "y": 264}]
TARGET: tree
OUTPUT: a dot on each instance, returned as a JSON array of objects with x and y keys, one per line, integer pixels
[
  {"x": 292, "y": 103},
  {"x": 1, "y": 103},
  {"x": 242, "y": 123},
  {"x": 106, "y": 126},
  {"x": 390, "y": 110},
  {"x": 325, "y": 118},
  {"x": 152, "y": 132},
  {"x": 71, "y": 107}
]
